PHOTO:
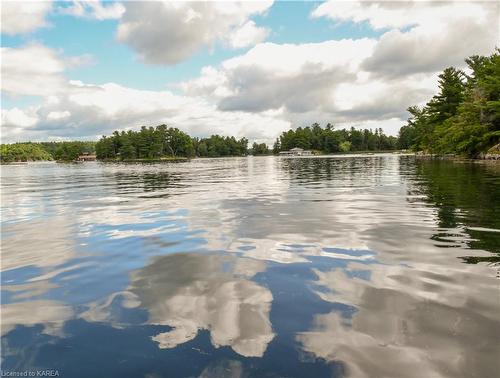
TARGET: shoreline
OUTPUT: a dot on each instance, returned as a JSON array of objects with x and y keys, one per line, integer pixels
[
  {"x": 179, "y": 159},
  {"x": 457, "y": 158},
  {"x": 182, "y": 159}
]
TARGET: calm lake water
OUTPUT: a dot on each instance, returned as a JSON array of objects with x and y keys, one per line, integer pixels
[{"x": 380, "y": 266}]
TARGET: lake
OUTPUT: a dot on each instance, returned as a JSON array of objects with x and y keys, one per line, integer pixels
[{"x": 381, "y": 265}]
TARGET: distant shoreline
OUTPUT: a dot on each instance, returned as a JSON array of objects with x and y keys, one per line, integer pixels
[
  {"x": 177, "y": 159},
  {"x": 181, "y": 159}
]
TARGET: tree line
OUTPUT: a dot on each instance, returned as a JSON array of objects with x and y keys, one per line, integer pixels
[
  {"x": 464, "y": 116},
  {"x": 329, "y": 140},
  {"x": 164, "y": 141},
  {"x": 29, "y": 151},
  {"x": 151, "y": 143}
]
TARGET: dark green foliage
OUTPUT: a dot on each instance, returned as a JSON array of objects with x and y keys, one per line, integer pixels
[
  {"x": 163, "y": 141},
  {"x": 407, "y": 137},
  {"x": 23, "y": 152},
  {"x": 329, "y": 140},
  {"x": 464, "y": 117},
  {"x": 217, "y": 145},
  {"x": 147, "y": 143},
  {"x": 260, "y": 149},
  {"x": 66, "y": 151},
  {"x": 451, "y": 94},
  {"x": 451, "y": 187}
]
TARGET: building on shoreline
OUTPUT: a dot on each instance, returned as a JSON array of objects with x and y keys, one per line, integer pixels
[
  {"x": 296, "y": 152},
  {"x": 86, "y": 156}
]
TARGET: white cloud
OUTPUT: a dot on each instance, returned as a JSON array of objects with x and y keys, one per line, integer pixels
[
  {"x": 89, "y": 111},
  {"x": 321, "y": 82},
  {"x": 246, "y": 96},
  {"x": 372, "y": 98},
  {"x": 14, "y": 122},
  {"x": 271, "y": 76},
  {"x": 94, "y": 9},
  {"x": 398, "y": 14},
  {"x": 36, "y": 70},
  {"x": 354, "y": 82},
  {"x": 58, "y": 115},
  {"x": 436, "y": 34},
  {"x": 366, "y": 82},
  {"x": 288, "y": 59},
  {"x": 32, "y": 70},
  {"x": 169, "y": 32},
  {"x": 17, "y": 117},
  {"x": 419, "y": 50},
  {"x": 19, "y": 17},
  {"x": 249, "y": 34}
]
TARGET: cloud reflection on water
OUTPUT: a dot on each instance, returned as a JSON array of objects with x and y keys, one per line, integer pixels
[
  {"x": 415, "y": 320},
  {"x": 195, "y": 291},
  {"x": 199, "y": 247},
  {"x": 191, "y": 292}
]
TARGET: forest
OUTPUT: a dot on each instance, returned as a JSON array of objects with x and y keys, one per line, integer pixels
[
  {"x": 328, "y": 140},
  {"x": 28, "y": 151},
  {"x": 463, "y": 118},
  {"x": 151, "y": 143},
  {"x": 164, "y": 141}
]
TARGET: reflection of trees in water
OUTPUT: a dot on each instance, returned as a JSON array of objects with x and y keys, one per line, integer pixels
[
  {"x": 350, "y": 171},
  {"x": 140, "y": 181},
  {"x": 308, "y": 169},
  {"x": 466, "y": 195}
]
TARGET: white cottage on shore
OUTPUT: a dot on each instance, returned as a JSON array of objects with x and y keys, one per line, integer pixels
[{"x": 296, "y": 152}]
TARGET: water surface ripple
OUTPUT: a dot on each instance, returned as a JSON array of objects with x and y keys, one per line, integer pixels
[{"x": 379, "y": 266}]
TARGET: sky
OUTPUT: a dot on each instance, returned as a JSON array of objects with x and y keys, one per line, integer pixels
[{"x": 82, "y": 69}]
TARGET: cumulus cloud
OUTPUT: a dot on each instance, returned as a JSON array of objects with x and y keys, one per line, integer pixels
[
  {"x": 375, "y": 99},
  {"x": 14, "y": 122},
  {"x": 422, "y": 36},
  {"x": 89, "y": 111},
  {"x": 249, "y": 95},
  {"x": 31, "y": 70},
  {"x": 401, "y": 53},
  {"x": 310, "y": 82},
  {"x": 73, "y": 109},
  {"x": 17, "y": 117},
  {"x": 400, "y": 14},
  {"x": 36, "y": 70},
  {"x": 249, "y": 34},
  {"x": 19, "y": 17},
  {"x": 169, "y": 32},
  {"x": 94, "y": 10},
  {"x": 354, "y": 82},
  {"x": 366, "y": 82},
  {"x": 270, "y": 75}
]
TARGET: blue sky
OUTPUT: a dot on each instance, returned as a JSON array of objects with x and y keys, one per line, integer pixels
[{"x": 250, "y": 65}]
